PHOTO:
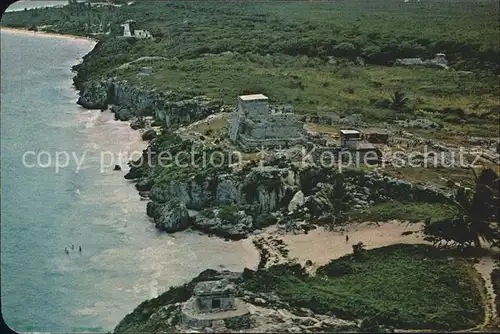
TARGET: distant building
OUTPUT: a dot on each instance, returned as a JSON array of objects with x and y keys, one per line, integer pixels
[
  {"x": 439, "y": 60},
  {"x": 349, "y": 138},
  {"x": 255, "y": 124},
  {"x": 130, "y": 31},
  {"x": 142, "y": 34}
]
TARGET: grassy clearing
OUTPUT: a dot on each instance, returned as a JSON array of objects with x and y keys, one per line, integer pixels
[
  {"x": 433, "y": 176},
  {"x": 312, "y": 85},
  {"x": 404, "y": 211},
  {"x": 213, "y": 127},
  {"x": 405, "y": 286}
]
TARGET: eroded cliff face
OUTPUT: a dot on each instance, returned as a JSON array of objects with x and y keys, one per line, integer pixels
[
  {"x": 280, "y": 193},
  {"x": 226, "y": 204},
  {"x": 128, "y": 101},
  {"x": 264, "y": 187}
]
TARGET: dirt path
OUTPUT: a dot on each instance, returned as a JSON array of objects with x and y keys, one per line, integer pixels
[{"x": 485, "y": 267}]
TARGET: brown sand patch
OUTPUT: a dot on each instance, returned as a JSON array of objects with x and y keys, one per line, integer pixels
[{"x": 320, "y": 246}]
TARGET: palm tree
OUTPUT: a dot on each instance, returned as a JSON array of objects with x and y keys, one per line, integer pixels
[
  {"x": 398, "y": 100},
  {"x": 477, "y": 214},
  {"x": 358, "y": 250},
  {"x": 473, "y": 218}
]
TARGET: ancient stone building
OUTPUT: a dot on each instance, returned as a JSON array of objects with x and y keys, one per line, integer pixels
[
  {"x": 214, "y": 296},
  {"x": 255, "y": 124},
  {"x": 354, "y": 149},
  {"x": 349, "y": 138},
  {"x": 130, "y": 31},
  {"x": 212, "y": 302}
]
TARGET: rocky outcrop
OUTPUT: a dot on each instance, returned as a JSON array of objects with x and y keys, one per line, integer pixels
[
  {"x": 171, "y": 216},
  {"x": 137, "y": 123},
  {"x": 234, "y": 226},
  {"x": 297, "y": 201},
  {"x": 265, "y": 187},
  {"x": 94, "y": 95},
  {"x": 148, "y": 134},
  {"x": 122, "y": 113},
  {"x": 269, "y": 189},
  {"x": 367, "y": 188},
  {"x": 144, "y": 184},
  {"x": 129, "y": 101},
  {"x": 267, "y": 312},
  {"x": 381, "y": 188},
  {"x": 267, "y": 317}
]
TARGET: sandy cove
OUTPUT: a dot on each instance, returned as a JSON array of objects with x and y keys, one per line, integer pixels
[
  {"x": 25, "y": 31},
  {"x": 321, "y": 246}
]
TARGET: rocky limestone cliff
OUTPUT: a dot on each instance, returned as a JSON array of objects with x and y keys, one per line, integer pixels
[
  {"x": 281, "y": 194},
  {"x": 260, "y": 191},
  {"x": 128, "y": 101}
]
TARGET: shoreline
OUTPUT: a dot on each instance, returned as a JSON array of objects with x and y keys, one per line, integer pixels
[{"x": 25, "y": 31}]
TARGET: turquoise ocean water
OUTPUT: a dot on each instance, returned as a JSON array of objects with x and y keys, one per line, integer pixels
[{"x": 124, "y": 260}]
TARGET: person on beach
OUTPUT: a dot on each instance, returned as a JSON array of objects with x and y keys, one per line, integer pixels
[{"x": 346, "y": 238}]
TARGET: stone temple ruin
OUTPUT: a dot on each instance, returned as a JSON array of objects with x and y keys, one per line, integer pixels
[
  {"x": 255, "y": 124},
  {"x": 213, "y": 302},
  {"x": 129, "y": 31},
  {"x": 351, "y": 140}
]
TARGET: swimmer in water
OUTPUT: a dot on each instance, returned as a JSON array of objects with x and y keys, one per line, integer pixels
[
  {"x": 66, "y": 250},
  {"x": 72, "y": 247},
  {"x": 80, "y": 249}
]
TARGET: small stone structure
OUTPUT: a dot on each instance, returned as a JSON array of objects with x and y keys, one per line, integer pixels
[
  {"x": 376, "y": 137},
  {"x": 214, "y": 296},
  {"x": 360, "y": 151},
  {"x": 212, "y": 302},
  {"x": 129, "y": 31},
  {"x": 255, "y": 124},
  {"x": 439, "y": 61},
  {"x": 142, "y": 34},
  {"x": 352, "y": 150},
  {"x": 349, "y": 138}
]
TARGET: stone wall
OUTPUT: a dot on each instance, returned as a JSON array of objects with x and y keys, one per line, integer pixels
[
  {"x": 253, "y": 109},
  {"x": 192, "y": 318},
  {"x": 249, "y": 142},
  {"x": 204, "y": 303},
  {"x": 255, "y": 124},
  {"x": 270, "y": 130},
  {"x": 234, "y": 126}
]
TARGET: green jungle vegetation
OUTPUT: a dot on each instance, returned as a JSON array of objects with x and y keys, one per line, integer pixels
[
  {"x": 300, "y": 53},
  {"x": 404, "y": 211},
  {"x": 427, "y": 290}
]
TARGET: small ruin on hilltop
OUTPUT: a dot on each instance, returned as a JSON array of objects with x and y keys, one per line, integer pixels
[
  {"x": 212, "y": 302},
  {"x": 256, "y": 124},
  {"x": 129, "y": 31}
]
